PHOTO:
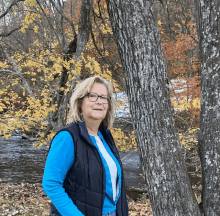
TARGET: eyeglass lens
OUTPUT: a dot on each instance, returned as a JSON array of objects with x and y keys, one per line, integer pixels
[{"x": 94, "y": 97}]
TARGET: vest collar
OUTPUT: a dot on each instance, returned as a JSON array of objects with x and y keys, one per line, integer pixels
[
  {"x": 107, "y": 136},
  {"x": 84, "y": 133}
]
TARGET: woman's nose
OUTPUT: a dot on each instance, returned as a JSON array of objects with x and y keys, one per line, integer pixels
[{"x": 99, "y": 100}]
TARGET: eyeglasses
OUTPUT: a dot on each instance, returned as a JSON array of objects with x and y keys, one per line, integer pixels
[{"x": 93, "y": 97}]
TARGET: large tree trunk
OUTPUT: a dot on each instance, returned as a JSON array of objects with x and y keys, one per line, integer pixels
[
  {"x": 137, "y": 36},
  {"x": 209, "y": 138}
]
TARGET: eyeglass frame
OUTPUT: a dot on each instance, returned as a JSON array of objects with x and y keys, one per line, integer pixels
[{"x": 98, "y": 96}]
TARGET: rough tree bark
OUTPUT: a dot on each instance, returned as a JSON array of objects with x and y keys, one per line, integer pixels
[
  {"x": 209, "y": 138},
  {"x": 85, "y": 26},
  {"x": 137, "y": 36}
]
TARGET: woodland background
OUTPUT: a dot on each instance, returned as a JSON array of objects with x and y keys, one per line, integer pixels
[
  {"x": 40, "y": 65},
  {"x": 38, "y": 69}
]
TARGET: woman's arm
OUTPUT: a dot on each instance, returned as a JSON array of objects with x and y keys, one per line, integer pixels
[{"x": 59, "y": 161}]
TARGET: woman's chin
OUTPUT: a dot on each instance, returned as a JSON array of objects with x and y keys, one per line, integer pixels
[{"x": 98, "y": 117}]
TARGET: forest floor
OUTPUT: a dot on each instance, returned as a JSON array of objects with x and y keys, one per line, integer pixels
[{"x": 29, "y": 199}]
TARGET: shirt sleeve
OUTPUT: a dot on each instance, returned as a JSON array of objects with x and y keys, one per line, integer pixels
[{"x": 59, "y": 160}]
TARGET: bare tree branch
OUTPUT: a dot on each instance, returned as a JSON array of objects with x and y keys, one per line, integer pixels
[
  {"x": 49, "y": 22},
  {"x": 18, "y": 73},
  {"x": 106, "y": 60},
  {"x": 60, "y": 11},
  {"x": 6, "y": 34},
  {"x": 7, "y": 71},
  {"x": 10, "y": 6}
]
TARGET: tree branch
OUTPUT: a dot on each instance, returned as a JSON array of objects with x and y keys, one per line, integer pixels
[
  {"x": 111, "y": 67},
  {"x": 6, "y": 34},
  {"x": 49, "y": 22},
  {"x": 7, "y": 71},
  {"x": 60, "y": 11},
  {"x": 10, "y": 6},
  {"x": 18, "y": 73}
]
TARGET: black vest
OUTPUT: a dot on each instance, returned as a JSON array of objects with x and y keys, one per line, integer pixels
[{"x": 85, "y": 180}]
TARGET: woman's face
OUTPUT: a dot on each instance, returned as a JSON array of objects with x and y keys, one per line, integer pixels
[{"x": 95, "y": 110}]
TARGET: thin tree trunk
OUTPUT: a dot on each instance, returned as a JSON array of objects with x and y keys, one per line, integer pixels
[
  {"x": 77, "y": 47},
  {"x": 138, "y": 39},
  {"x": 85, "y": 26},
  {"x": 209, "y": 138}
]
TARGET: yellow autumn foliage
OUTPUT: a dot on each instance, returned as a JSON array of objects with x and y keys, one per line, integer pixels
[
  {"x": 41, "y": 66},
  {"x": 30, "y": 3},
  {"x": 29, "y": 114},
  {"x": 190, "y": 136},
  {"x": 185, "y": 104},
  {"x": 124, "y": 142}
]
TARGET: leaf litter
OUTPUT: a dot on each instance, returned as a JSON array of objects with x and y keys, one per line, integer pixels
[
  {"x": 30, "y": 200},
  {"x": 23, "y": 199}
]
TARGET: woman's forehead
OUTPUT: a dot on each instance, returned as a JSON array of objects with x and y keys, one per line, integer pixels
[{"x": 99, "y": 87}]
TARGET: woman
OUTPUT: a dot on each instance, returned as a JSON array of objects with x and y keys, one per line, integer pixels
[{"x": 83, "y": 172}]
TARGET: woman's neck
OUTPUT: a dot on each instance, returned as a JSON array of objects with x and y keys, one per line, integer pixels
[{"x": 92, "y": 128}]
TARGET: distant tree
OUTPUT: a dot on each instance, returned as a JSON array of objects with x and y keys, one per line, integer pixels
[{"x": 180, "y": 48}]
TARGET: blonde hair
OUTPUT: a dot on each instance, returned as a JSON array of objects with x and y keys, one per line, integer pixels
[{"x": 81, "y": 90}]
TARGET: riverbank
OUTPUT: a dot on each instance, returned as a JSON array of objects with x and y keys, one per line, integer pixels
[{"x": 29, "y": 200}]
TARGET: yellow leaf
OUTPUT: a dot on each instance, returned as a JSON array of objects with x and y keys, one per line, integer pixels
[
  {"x": 192, "y": 130},
  {"x": 35, "y": 29},
  {"x": 6, "y": 136},
  {"x": 23, "y": 30}
]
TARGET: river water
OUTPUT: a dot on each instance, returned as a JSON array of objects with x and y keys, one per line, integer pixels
[{"x": 20, "y": 162}]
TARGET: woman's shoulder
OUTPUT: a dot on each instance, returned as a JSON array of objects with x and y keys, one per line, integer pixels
[
  {"x": 72, "y": 128},
  {"x": 71, "y": 125},
  {"x": 62, "y": 135}
]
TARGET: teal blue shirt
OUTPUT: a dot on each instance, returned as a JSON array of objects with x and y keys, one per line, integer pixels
[{"x": 60, "y": 158}]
